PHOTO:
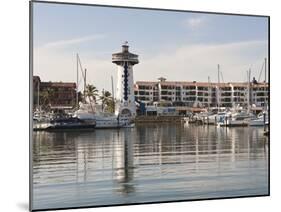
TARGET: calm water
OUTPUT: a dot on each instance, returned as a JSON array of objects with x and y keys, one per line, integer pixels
[{"x": 148, "y": 163}]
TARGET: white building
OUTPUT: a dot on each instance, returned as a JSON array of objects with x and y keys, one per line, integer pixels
[
  {"x": 201, "y": 94},
  {"x": 125, "y": 98}
]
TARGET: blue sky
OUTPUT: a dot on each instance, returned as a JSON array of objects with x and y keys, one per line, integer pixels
[{"x": 177, "y": 45}]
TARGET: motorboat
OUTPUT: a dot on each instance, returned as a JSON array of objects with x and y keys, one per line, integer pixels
[
  {"x": 40, "y": 124},
  {"x": 218, "y": 118},
  {"x": 261, "y": 120},
  {"x": 41, "y": 120},
  {"x": 241, "y": 118}
]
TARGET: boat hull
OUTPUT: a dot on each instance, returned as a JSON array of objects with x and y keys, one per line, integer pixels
[
  {"x": 257, "y": 123},
  {"x": 65, "y": 124},
  {"x": 72, "y": 127}
]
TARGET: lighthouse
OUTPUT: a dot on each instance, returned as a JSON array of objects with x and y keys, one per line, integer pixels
[{"x": 125, "y": 98}]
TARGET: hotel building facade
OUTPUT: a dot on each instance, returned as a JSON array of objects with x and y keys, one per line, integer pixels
[
  {"x": 201, "y": 94},
  {"x": 61, "y": 95}
]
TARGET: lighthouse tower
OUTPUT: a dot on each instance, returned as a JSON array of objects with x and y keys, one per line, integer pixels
[{"x": 125, "y": 98}]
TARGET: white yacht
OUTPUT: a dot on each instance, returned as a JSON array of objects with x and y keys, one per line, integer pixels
[
  {"x": 102, "y": 119},
  {"x": 241, "y": 118},
  {"x": 259, "y": 121},
  {"x": 218, "y": 118},
  {"x": 215, "y": 118},
  {"x": 41, "y": 120}
]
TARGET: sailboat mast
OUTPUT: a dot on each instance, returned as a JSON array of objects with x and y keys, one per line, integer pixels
[
  {"x": 218, "y": 100},
  {"x": 209, "y": 93},
  {"x": 77, "y": 75},
  {"x": 112, "y": 91},
  {"x": 85, "y": 83},
  {"x": 38, "y": 95},
  {"x": 249, "y": 90},
  {"x": 265, "y": 69},
  {"x": 265, "y": 93}
]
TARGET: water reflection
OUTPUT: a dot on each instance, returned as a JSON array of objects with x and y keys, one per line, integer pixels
[
  {"x": 147, "y": 163},
  {"x": 123, "y": 161}
]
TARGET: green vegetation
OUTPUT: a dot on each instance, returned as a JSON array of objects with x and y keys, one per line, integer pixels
[
  {"x": 106, "y": 98},
  {"x": 45, "y": 98},
  {"x": 107, "y": 101},
  {"x": 91, "y": 92}
]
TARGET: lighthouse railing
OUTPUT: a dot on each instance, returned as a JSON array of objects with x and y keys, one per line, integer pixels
[{"x": 124, "y": 57}]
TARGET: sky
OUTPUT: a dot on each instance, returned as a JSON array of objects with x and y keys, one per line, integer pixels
[{"x": 180, "y": 46}]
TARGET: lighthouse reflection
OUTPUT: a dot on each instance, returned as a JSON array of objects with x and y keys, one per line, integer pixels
[{"x": 123, "y": 162}]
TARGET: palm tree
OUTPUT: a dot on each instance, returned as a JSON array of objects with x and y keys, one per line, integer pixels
[
  {"x": 91, "y": 92},
  {"x": 111, "y": 105},
  {"x": 107, "y": 101},
  {"x": 45, "y": 98}
]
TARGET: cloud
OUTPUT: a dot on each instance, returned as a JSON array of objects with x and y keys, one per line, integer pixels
[
  {"x": 187, "y": 63},
  {"x": 73, "y": 41},
  {"x": 194, "y": 22},
  {"x": 198, "y": 61}
]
